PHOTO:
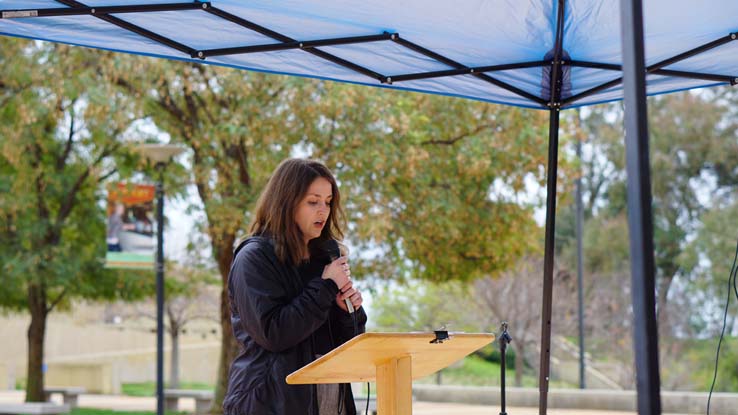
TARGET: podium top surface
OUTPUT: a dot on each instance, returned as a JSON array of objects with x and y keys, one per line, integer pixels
[{"x": 357, "y": 359}]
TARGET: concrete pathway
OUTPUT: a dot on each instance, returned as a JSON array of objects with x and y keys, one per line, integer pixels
[{"x": 131, "y": 403}]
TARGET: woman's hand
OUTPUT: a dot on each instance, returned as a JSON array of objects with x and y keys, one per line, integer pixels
[
  {"x": 353, "y": 294},
  {"x": 338, "y": 271}
]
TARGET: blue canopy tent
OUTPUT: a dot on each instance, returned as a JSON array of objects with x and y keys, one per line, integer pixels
[{"x": 543, "y": 54}]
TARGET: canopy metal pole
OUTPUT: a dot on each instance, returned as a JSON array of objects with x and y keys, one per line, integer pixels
[
  {"x": 548, "y": 260},
  {"x": 640, "y": 225},
  {"x": 580, "y": 271},
  {"x": 554, "y": 103}
]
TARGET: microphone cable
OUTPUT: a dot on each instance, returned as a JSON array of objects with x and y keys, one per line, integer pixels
[
  {"x": 355, "y": 322},
  {"x": 731, "y": 285}
]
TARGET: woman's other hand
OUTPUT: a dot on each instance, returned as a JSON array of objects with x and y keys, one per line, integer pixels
[{"x": 353, "y": 294}]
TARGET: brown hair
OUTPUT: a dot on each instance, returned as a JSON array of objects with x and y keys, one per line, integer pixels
[{"x": 274, "y": 215}]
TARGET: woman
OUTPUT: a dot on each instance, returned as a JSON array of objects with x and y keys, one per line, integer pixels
[{"x": 287, "y": 296}]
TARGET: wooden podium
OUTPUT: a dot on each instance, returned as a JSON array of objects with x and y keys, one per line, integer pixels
[{"x": 393, "y": 360}]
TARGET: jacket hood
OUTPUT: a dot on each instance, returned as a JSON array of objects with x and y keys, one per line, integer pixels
[{"x": 260, "y": 240}]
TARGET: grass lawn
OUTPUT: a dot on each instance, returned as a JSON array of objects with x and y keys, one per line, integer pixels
[
  {"x": 475, "y": 371},
  {"x": 149, "y": 388}
]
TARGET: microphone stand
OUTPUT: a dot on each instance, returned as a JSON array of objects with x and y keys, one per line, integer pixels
[{"x": 504, "y": 339}]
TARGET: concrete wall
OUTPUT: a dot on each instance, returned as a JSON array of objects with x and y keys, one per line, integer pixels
[
  {"x": 94, "y": 377},
  {"x": 198, "y": 363},
  {"x": 81, "y": 338},
  {"x": 4, "y": 377},
  {"x": 596, "y": 378},
  {"x": 671, "y": 402}
]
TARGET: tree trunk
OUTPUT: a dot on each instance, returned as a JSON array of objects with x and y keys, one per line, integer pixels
[
  {"x": 174, "y": 359},
  {"x": 519, "y": 365},
  {"x": 228, "y": 344},
  {"x": 36, "y": 334},
  {"x": 662, "y": 316}
]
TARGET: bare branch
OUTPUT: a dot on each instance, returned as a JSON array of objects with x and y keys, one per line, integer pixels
[
  {"x": 205, "y": 109},
  {"x": 61, "y": 160},
  {"x": 243, "y": 163},
  {"x": 105, "y": 176},
  {"x": 192, "y": 106},
  {"x": 165, "y": 100},
  {"x": 68, "y": 203},
  {"x": 476, "y": 257},
  {"x": 276, "y": 93},
  {"x": 459, "y": 137},
  {"x": 138, "y": 312},
  {"x": 56, "y": 301},
  {"x": 43, "y": 211}
]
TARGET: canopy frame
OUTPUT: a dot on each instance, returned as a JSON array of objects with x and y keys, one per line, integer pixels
[{"x": 76, "y": 8}]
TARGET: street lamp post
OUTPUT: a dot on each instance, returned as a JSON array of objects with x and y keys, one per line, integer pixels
[{"x": 160, "y": 155}]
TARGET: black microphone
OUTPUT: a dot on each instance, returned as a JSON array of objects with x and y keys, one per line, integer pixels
[{"x": 332, "y": 251}]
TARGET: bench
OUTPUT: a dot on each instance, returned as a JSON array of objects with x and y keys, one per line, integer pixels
[
  {"x": 70, "y": 394},
  {"x": 33, "y": 408},
  {"x": 361, "y": 404},
  {"x": 203, "y": 399}
]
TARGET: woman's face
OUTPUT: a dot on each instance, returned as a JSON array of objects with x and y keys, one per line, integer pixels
[{"x": 313, "y": 210}]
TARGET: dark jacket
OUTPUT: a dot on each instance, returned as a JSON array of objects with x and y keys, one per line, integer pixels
[{"x": 279, "y": 315}]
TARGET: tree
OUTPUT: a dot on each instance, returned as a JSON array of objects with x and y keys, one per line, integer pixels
[
  {"x": 693, "y": 155},
  {"x": 61, "y": 126},
  {"x": 710, "y": 254},
  {"x": 692, "y": 143},
  {"x": 189, "y": 297},
  {"x": 404, "y": 174},
  {"x": 238, "y": 127},
  {"x": 508, "y": 297},
  {"x": 422, "y": 306},
  {"x": 437, "y": 184}
]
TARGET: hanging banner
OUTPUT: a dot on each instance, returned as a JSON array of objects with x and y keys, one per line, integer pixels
[{"x": 130, "y": 226}]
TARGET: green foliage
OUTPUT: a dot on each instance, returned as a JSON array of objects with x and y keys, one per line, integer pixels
[
  {"x": 692, "y": 141},
  {"x": 62, "y": 130},
  {"x": 237, "y": 125},
  {"x": 697, "y": 362},
  {"x": 492, "y": 354},
  {"x": 694, "y": 151},
  {"x": 421, "y": 306},
  {"x": 58, "y": 141},
  {"x": 711, "y": 254},
  {"x": 417, "y": 173},
  {"x": 436, "y": 183},
  {"x": 476, "y": 371}
]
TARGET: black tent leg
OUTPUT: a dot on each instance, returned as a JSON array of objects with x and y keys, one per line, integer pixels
[
  {"x": 640, "y": 225},
  {"x": 548, "y": 260}
]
